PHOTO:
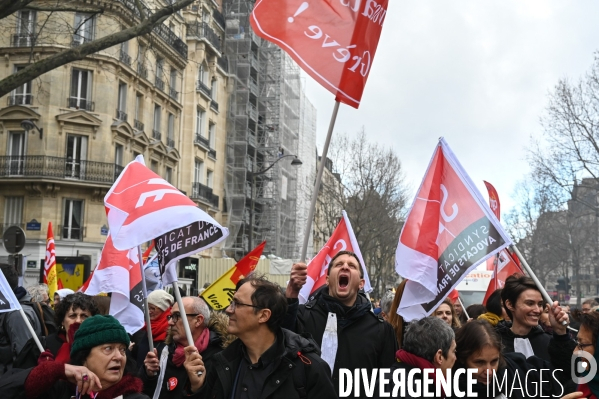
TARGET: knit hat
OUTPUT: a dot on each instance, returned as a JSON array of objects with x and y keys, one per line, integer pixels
[
  {"x": 98, "y": 330},
  {"x": 161, "y": 298}
]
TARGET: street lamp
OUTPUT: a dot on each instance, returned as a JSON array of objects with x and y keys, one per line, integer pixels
[
  {"x": 295, "y": 162},
  {"x": 28, "y": 125}
]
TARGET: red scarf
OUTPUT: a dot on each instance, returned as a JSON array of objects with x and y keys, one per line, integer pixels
[
  {"x": 416, "y": 361},
  {"x": 201, "y": 343},
  {"x": 586, "y": 391},
  {"x": 159, "y": 326}
]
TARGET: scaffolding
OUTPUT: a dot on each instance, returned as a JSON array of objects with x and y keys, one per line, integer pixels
[{"x": 262, "y": 125}]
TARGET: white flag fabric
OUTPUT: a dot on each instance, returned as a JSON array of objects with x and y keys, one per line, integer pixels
[
  {"x": 448, "y": 232},
  {"x": 8, "y": 300}
]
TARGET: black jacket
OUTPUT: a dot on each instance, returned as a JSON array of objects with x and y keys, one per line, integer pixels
[
  {"x": 292, "y": 377},
  {"x": 179, "y": 373},
  {"x": 364, "y": 339},
  {"x": 416, "y": 383},
  {"x": 539, "y": 339}
]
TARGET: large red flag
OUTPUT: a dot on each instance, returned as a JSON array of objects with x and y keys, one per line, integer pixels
[
  {"x": 342, "y": 239},
  {"x": 119, "y": 272},
  {"x": 493, "y": 200},
  {"x": 333, "y": 41},
  {"x": 506, "y": 265},
  {"x": 141, "y": 206},
  {"x": 50, "y": 263},
  {"x": 448, "y": 232}
]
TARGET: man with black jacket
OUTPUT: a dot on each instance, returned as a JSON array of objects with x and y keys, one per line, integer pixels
[
  {"x": 355, "y": 337},
  {"x": 266, "y": 362}
]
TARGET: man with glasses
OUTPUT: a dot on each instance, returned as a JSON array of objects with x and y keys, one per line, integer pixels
[
  {"x": 266, "y": 361},
  {"x": 163, "y": 373}
]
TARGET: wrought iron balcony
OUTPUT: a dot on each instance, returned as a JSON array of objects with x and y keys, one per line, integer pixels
[
  {"x": 202, "y": 30},
  {"x": 20, "y": 99},
  {"x": 121, "y": 115},
  {"x": 202, "y": 192},
  {"x": 142, "y": 70},
  {"x": 174, "y": 94},
  {"x": 218, "y": 18},
  {"x": 80, "y": 103},
  {"x": 22, "y": 40},
  {"x": 203, "y": 88},
  {"x": 138, "y": 125},
  {"x": 202, "y": 140},
  {"x": 212, "y": 154},
  {"x": 41, "y": 166},
  {"x": 159, "y": 84},
  {"x": 125, "y": 58},
  {"x": 214, "y": 105},
  {"x": 157, "y": 135},
  {"x": 170, "y": 142}
]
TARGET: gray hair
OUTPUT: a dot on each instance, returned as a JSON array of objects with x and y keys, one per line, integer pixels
[
  {"x": 386, "y": 302},
  {"x": 37, "y": 292},
  {"x": 201, "y": 307},
  {"x": 425, "y": 337}
]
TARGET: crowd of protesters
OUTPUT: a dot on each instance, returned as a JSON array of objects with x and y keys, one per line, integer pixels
[{"x": 268, "y": 345}]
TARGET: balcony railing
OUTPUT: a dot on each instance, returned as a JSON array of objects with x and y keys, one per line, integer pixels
[
  {"x": 170, "y": 142},
  {"x": 212, "y": 154},
  {"x": 125, "y": 58},
  {"x": 214, "y": 105},
  {"x": 174, "y": 94},
  {"x": 20, "y": 99},
  {"x": 21, "y": 40},
  {"x": 142, "y": 70},
  {"x": 157, "y": 135},
  {"x": 203, "y": 88},
  {"x": 202, "y": 30},
  {"x": 117, "y": 170},
  {"x": 36, "y": 166},
  {"x": 72, "y": 232},
  {"x": 80, "y": 103},
  {"x": 138, "y": 125},
  {"x": 199, "y": 139},
  {"x": 159, "y": 84},
  {"x": 218, "y": 18},
  {"x": 200, "y": 191},
  {"x": 121, "y": 115}
]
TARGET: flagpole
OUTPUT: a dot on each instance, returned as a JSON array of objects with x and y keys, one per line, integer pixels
[
  {"x": 325, "y": 150},
  {"x": 532, "y": 275},
  {"x": 183, "y": 315},
  {"x": 463, "y": 308},
  {"x": 31, "y": 330},
  {"x": 146, "y": 306}
]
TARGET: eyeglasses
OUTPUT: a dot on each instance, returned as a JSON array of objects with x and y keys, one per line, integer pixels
[
  {"x": 176, "y": 316},
  {"x": 234, "y": 303},
  {"x": 582, "y": 346}
]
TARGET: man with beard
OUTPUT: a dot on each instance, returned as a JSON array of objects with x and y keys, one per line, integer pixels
[{"x": 340, "y": 318}]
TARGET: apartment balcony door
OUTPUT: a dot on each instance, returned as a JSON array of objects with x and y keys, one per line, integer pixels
[
  {"x": 16, "y": 153},
  {"x": 76, "y": 156}
]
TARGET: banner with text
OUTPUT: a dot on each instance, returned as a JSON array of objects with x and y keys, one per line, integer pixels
[
  {"x": 448, "y": 232},
  {"x": 333, "y": 41},
  {"x": 8, "y": 300}
]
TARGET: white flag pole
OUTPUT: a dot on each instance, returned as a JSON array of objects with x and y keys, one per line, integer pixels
[
  {"x": 463, "y": 308},
  {"x": 146, "y": 308},
  {"x": 325, "y": 150},
  {"x": 532, "y": 275},
  {"x": 31, "y": 330},
  {"x": 183, "y": 315}
]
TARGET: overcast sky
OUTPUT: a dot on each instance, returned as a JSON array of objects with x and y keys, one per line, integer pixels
[{"x": 476, "y": 72}]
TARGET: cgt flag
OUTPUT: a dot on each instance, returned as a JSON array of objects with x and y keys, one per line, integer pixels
[
  {"x": 342, "y": 239},
  {"x": 448, "y": 232},
  {"x": 50, "y": 263},
  {"x": 218, "y": 295},
  {"x": 141, "y": 205},
  {"x": 8, "y": 300},
  {"x": 504, "y": 265},
  {"x": 119, "y": 272},
  {"x": 333, "y": 41}
]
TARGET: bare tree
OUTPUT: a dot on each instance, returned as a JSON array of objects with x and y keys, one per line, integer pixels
[{"x": 145, "y": 21}]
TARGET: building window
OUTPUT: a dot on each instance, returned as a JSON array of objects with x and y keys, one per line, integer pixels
[
  {"x": 81, "y": 88},
  {"x": 16, "y": 153},
  {"x": 157, "y": 121},
  {"x": 22, "y": 94},
  {"x": 209, "y": 178},
  {"x": 84, "y": 28},
  {"x": 212, "y": 134},
  {"x": 139, "y": 106},
  {"x": 169, "y": 174},
  {"x": 200, "y": 117},
  {"x": 170, "y": 140},
  {"x": 202, "y": 74},
  {"x": 118, "y": 154},
  {"x": 154, "y": 166},
  {"x": 13, "y": 211},
  {"x": 121, "y": 110},
  {"x": 72, "y": 228},
  {"x": 214, "y": 90},
  {"x": 25, "y": 28},
  {"x": 198, "y": 171},
  {"x": 159, "y": 74},
  {"x": 76, "y": 156}
]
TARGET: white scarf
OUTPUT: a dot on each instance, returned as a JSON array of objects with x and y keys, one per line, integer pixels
[
  {"x": 163, "y": 359},
  {"x": 329, "y": 341}
]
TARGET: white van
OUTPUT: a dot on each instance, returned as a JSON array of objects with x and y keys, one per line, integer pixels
[{"x": 473, "y": 287}]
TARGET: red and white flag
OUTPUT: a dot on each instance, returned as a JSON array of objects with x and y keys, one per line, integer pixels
[
  {"x": 493, "y": 200},
  {"x": 342, "y": 239},
  {"x": 141, "y": 206},
  {"x": 119, "y": 272},
  {"x": 333, "y": 41},
  {"x": 505, "y": 265},
  {"x": 50, "y": 263},
  {"x": 448, "y": 232}
]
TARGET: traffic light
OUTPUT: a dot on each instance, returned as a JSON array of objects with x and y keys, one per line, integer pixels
[{"x": 568, "y": 285}]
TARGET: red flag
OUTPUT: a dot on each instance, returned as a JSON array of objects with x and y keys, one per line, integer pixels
[
  {"x": 448, "y": 232},
  {"x": 453, "y": 295},
  {"x": 506, "y": 266},
  {"x": 247, "y": 264},
  {"x": 342, "y": 239},
  {"x": 493, "y": 199},
  {"x": 50, "y": 263},
  {"x": 119, "y": 272},
  {"x": 141, "y": 206},
  {"x": 83, "y": 288},
  {"x": 333, "y": 41},
  {"x": 59, "y": 285}
]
